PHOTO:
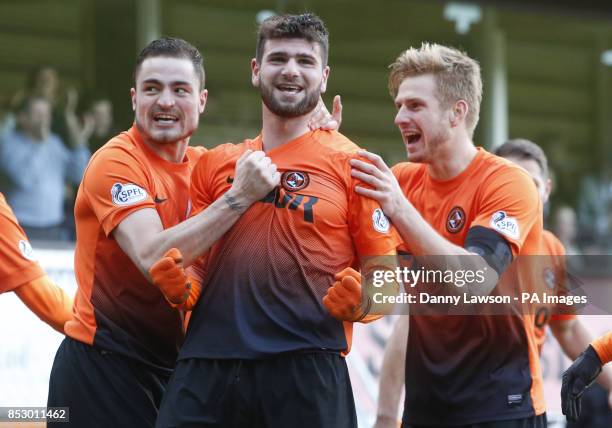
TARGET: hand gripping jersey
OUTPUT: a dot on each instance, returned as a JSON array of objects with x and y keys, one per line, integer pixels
[
  {"x": 267, "y": 275},
  {"x": 17, "y": 263},
  {"x": 468, "y": 369},
  {"x": 116, "y": 307}
]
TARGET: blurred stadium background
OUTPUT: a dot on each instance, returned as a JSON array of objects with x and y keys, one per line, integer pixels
[{"x": 547, "y": 68}]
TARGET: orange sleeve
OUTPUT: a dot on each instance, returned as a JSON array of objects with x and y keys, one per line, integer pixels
[
  {"x": 510, "y": 205},
  {"x": 199, "y": 189},
  {"x": 372, "y": 232},
  {"x": 116, "y": 184},
  {"x": 603, "y": 347},
  {"x": 17, "y": 261},
  {"x": 49, "y": 302},
  {"x": 555, "y": 249}
]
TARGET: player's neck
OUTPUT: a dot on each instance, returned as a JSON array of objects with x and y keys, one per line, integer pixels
[
  {"x": 277, "y": 130},
  {"x": 171, "y": 152},
  {"x": 452, "y": 159}
]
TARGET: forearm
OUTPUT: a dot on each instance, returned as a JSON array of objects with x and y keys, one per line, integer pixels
[
  {"x": 377, "y": 288},
  {"x": 435, "y": 252},
  {"x": 49, "y": 302},
  {"x": 194, "y": 236},
  {"x": 420, "y": 237},
  {"x": 573, "y": 337},
  {"x": 392, "y": 374}
]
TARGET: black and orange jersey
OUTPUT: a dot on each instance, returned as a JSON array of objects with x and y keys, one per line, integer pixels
[
  {"x": 266, "y": 277},
  {"x": 17, "y": 263},
  {"x": 603, "y": 347},
  {"x": 116, "y": 308},
  {"x": 552, "y": 275},
  {"x": 470, "y": 369}
]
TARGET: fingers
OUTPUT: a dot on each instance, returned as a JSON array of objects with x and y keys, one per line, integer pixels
[
  {"x": 376, "y": 160},
  {"x": 174, "y": 254},
  {"x": 255, "y": 176},
  {"x": 366, "y": 178},
  {"x": 370, "y": 193},
  {"x": 367, "y": 168},
  {"x": 565, "y": 398},
  {"x": 348, "y": 271},
  {"x": 322, "y": 119},
  {"x": 337, "y": 110},
  {"x": 570, "y": 401},
  {"x": 243, "y": 156}
]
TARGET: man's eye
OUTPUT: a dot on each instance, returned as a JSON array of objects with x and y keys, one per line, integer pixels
[{"x": 150, "y": 89}]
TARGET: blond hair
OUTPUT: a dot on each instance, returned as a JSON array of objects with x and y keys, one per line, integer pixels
[{"x": 457, "y": 76}]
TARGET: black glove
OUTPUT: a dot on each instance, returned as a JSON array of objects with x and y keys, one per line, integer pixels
[{"x": 576, "y": 379}]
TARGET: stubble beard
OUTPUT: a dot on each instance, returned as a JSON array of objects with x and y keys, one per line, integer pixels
[{"x": 300, "y": 108}]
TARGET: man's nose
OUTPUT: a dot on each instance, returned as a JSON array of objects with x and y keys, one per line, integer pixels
[{"x": 166, "y": 98}]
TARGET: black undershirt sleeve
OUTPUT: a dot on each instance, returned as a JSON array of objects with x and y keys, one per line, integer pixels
[{"x": 491, "y": 246}]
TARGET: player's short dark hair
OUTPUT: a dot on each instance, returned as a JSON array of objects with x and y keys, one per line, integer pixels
[
  {"x": 525, "y": 150},
  {"x": 173, "y": 47},
  {"x": 306, "y": 26}
]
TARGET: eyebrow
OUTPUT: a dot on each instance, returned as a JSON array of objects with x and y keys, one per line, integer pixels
[
  {"x": 174, "y": 83},
  {"x": 285, "y": 53},
  {"x": 410, "y": 100}
]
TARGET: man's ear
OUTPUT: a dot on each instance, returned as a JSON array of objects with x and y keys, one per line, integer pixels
[
  {"x": 255, "y": 73},
  {"x": 133, "y": 97},
  {"x": 203, "y": 98},
  {"x": 458, "y": 113},
  {"x": 326, "y": 71}
]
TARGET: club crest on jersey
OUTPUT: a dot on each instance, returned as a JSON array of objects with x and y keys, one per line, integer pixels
[
  {"x": 455, "y": 220},
  {"x": 127, "y": 194},
  {"x": 26, "y": 250},
  {"x": 380, "y": 221},
  {"x": 293, "y": 181},
  {"x": 504, "y": 224}
]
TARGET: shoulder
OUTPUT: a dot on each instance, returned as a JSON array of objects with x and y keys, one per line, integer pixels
[
  {"x": 224, "y": 153},
  {"x": 120, "y": 157},
  {"x": 552, "y": 243},
  {"x": 194, "y": 153},
  {"x": 220, "y": 160},
  {"x": 496, "y": 166},
  {"x": 335, "y": 142},
  {"x": 496, "y": 172},
  {"x": 120, "y": 147},
  {"x": 404, "y": 171}
]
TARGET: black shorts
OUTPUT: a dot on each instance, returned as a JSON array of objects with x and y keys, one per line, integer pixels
[
  {"x": 531, "y": 422},
  {"x": 290, "y": 390},
  {"x": 103, "y": 389}
]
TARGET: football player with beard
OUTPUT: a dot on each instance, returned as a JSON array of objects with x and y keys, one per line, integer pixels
[{"x": 262, "y": 349}]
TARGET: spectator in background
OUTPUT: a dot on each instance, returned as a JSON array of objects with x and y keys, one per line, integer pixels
[
  {"x": 565, "y": 227},
  {"x": 98, "y": 122},
  {"x": 44, "y": 82},
  {"x": 93, "y": 130},
  {"x": 38, "y": 166}
]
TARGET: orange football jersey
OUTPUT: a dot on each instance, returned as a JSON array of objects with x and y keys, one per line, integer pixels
[
  {"x": 266, "y": 277},
  {"x": 17, "y": 263},
  {"x": 116, "y": 308},
  {"x": 477, "y": 368}
]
